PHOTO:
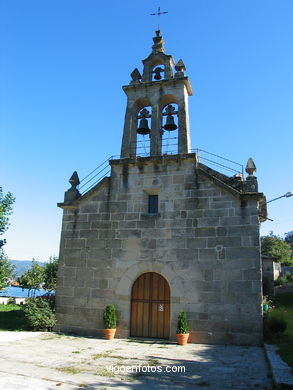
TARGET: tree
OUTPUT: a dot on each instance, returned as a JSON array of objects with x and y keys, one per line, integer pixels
[
  {"x": 33, "y": 278},
  {"x": 6, "y": 270},
  {"x": 289, "y": 240},
  {"x": 276, "y": 247},
  {"x": 5, "y": 210},
  {"x": 50, "y": 274}
]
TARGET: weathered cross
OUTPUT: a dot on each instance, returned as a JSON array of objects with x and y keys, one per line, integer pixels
[{"x": 159, "y": 13}]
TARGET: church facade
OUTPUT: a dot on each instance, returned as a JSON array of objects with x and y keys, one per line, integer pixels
[{"x": 164, "y": 232}]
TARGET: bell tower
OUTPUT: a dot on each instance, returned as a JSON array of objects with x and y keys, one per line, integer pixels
[{"x": 157, "y": 104}]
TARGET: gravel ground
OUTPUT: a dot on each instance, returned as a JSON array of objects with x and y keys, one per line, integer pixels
[{"x": 41, "y": 361}]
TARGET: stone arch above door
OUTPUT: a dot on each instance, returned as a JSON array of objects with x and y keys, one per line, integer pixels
[{"x": 175, "y": 281}]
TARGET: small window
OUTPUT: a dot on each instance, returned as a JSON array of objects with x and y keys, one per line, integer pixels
[{"x": 153, "y": 204}]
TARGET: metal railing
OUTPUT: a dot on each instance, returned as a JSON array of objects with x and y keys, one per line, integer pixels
[
  {"x": 142, "y": 147},
  {"x": 219, "y": 161},
  {"x": 90, "y": 180},
  {"x": 208, "y": 158}
]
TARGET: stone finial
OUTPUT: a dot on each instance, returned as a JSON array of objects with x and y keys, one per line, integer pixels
[
  {"x": 73, "y": 193},
  {"x": 74, "y": 180},
  {"x": 180, "y": 67},
  {"x": 136, "y": 76},
  {"x": 250, "y": 184},
  {"x": 250, "y": 167},
  {"x": 158, "y": 46}
]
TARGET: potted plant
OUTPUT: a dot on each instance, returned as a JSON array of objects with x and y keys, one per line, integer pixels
[
  {"x": 110, "y": 320},
  {"x": 182, "y": 332}
]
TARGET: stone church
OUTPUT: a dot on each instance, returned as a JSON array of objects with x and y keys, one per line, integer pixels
[{"x": 163, "y": 232}]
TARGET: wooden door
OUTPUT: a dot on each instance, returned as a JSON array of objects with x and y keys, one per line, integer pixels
[{"x": 150, "y": 307}]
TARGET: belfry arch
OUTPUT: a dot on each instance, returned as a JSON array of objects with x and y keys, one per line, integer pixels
[
  {"x": 169, "y": 115},
  {"x": 143, "y": 132}
]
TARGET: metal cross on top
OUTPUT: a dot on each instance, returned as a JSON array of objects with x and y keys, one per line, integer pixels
[{"x": 159, "y": 13}]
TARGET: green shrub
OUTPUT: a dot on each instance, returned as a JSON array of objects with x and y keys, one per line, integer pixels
[
  {"x": 11, "y": 301},
  {"x": 109, "y": 317},
  {"x": 285, "y": 279},
  {"x": 274, "y": 322},
  {"x": 39, "y": 314},
  {"x": 182, "y": 325}
]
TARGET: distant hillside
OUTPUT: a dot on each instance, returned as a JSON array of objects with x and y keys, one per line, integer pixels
[{"x": 22, "y": 265}]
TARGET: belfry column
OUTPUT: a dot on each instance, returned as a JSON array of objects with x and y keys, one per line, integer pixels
[
  {"x": 128, "y": 148},
  {"x": 156, "y": 133},
  {"x": 183, "y": 123}
]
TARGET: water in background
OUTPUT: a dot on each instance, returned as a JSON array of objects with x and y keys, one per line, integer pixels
[{"x": 18, "y": 292}]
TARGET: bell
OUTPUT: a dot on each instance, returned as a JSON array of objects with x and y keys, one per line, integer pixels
[
  {"x": 143, "y": 127},
  {"x": 157, "y": 73},
  {"x": 170, "y": 124}
]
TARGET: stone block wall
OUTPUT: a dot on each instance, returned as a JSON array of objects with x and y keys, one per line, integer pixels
[
  {"x": 270, "y": 272},
  {"x": 204, "y": 241}
]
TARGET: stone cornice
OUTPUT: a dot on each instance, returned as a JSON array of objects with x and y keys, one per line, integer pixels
[
  {"x": 153, "y": 159},
  {"x": 155, "y": 84}
]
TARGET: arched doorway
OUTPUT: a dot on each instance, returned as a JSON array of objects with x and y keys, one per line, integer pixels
[{"x": 150, "y": 306}]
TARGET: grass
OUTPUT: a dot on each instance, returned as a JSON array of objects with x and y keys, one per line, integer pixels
[
  {"x": 70, "y": 369},
  {"x": 101, "y": 355},
  {"x": 51, "y": 336},
  {"x": 12, "y": 318},
  {"x": 153, "y": 362},
  {"x": 105, "y": 372},
  {"x": 284, "y": 304},
  {"x": 106, "y": 354}
]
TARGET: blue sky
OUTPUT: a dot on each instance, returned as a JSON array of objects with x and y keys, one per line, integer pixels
[{"x": 62, "y": 108}]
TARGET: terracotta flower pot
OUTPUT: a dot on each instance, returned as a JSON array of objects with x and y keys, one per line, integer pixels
[
  {"x": 109, "y": 334},
  {"x": 182, "y": 338}
]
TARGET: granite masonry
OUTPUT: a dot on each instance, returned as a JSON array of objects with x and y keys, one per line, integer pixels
[{"x": 186, "y": 228}]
